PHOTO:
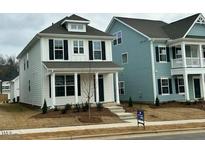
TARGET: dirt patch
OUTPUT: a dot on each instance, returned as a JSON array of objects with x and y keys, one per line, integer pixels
[
  {"x": 21, "y": 116},
  {"x": 169, "y": 111},
  {"x": 90, "y": 119}
]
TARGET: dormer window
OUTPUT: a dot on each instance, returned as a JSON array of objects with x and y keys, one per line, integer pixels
[{"x": 77, "y": 27}]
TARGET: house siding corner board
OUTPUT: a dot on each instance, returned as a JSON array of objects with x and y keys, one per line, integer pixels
[
  {"x": 163, "y": 70},
  {"x": 71, "y": 55},
  {"x": 137, "y": 73},
  {"x": 32, "y": 74}
]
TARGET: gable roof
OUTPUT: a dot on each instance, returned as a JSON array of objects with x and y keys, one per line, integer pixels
[
  {"x": 58, "y": 28},
  {"x": 179, "y": 28},
  {"x": 151, "y": 28},
  {"x": 160, "y": 29}
]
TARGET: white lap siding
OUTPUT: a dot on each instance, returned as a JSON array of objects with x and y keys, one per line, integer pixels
[{"x": 33, "y": 73}]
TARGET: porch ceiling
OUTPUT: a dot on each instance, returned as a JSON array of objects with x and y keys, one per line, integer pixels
[{"x": 82, "y": 66}]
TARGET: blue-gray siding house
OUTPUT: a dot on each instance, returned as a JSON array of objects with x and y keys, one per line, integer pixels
[{"x": 160, "y": 59}]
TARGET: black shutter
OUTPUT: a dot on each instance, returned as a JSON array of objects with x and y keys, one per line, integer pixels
[
  {"x": 174, "y": 52},
  {"x": 176, "y": 85},
  {"x": 170, "y": 86},
  {"x": 51, "y": 55},
  {"x": 168, "y": 56},
  {"x": 49, "y": 85},
  {"x": 159, "y": 87},
  {"x": 103, "y": 50},
  {"x": 90, "y": 50},
  {"x": 79, "y": 86},
  {"x": 157, "y": 54},
  {"x": 65, "y": 49}
]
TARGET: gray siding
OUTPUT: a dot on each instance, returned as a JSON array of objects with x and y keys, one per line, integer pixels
[
  {"x": 33, "y": 73},
  {"x": 137, "y": 74}
]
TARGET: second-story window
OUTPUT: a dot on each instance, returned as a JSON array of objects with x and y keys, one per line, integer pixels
[
  {"x": 78, "y": 47},
  {"x": 162, "y": 54},
  {"x": 118, "y": 38},
  {"x": 97, "y": 50},
  {"x": 58, "y": 49}
]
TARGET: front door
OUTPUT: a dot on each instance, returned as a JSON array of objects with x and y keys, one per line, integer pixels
[
  {"x": 101, "y": 88},
  {"x": 197, "y": 89}
]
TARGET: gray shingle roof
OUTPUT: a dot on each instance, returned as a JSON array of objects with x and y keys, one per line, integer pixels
[
  {"x": 57, "y": 28},
  {"x": 60, "y": 65},
  {"x": 160, "y": 29},
  {"x": 76, "y": 17},
  {"x": 151, "y": 28},
  {"x": 179, "y": 28}
]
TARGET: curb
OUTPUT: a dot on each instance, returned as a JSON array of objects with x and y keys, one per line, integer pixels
[{"x": 127, "y": 133}]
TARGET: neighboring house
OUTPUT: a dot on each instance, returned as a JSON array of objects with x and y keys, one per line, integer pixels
[
  {"x": 160, "y": 59},
  {"x": 62, "y": 63},
  {"x": 14, "y": 89},
  {"x": 6, "y": 88}
]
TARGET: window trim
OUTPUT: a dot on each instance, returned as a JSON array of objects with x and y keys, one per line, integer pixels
[
  {"x": 54, "y": 56},
  {"x": 97, "y": 50},
  {"x": 180, "y": 93},
  {"x": 116, "y": 37},
  {"x": 121, "y": 87},
  {"x": 164, "y": 94},
  {"x": 162, "y": 46},
  {"x": 125, "y": 53},
  {"x": 78, "y": 47}
]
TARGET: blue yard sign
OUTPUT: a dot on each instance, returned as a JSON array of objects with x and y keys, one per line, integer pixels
[{"x": 140, "y": 117}]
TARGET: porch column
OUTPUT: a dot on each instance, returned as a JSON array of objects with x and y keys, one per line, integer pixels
[
  {"x": 183, "y": 54},
  {"x": 76, "y": 87},
  {"x": 96, "y": 87},
  {"x": 201, "y": 56},
  {"x": 117, "y": 88},
  {"x": 186, "y": 86},
  {"x": 202, "y": 86},
  {"x": 53, "y": 90}
]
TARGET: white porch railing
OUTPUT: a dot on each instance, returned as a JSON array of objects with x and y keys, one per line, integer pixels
[
  {"x": 193, "y": 62},
  {"x": 190, "y": 62},
  {"x": 177, "y": 63},
  {"x": 203, "y": 62}
]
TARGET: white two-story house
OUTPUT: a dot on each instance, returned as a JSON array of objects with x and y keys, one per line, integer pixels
[{"x": 66, "y": 63}]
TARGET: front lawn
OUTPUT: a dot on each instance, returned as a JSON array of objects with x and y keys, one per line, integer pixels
[
  {"x": 17, "y": 116},
  {"x": 169, "y": 111}
]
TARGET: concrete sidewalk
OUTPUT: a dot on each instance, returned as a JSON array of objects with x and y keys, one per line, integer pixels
[{"x": 130, "y": 123}]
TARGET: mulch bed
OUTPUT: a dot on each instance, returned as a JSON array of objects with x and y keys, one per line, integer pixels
[{"x": 71, "y": 113}]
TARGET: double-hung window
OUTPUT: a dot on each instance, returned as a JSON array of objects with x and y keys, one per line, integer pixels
[
  {"x": 70, "y": 85},
  {"x": 162, "y": 54},
  {"x": 58, "y": 49},
  {"x": 121, "y": 87},
  {"x": 180, "y": 87},
  {"x": 97, "y": 50},
  {"x": 124, "y": 58},
  {"x": 60, "y": 85},
  {"x": 165, "y": 86},
  {"x": 78, "y": 47},
  {"x": 178, "y": 53},
  {"x": 118, "y": 38}
]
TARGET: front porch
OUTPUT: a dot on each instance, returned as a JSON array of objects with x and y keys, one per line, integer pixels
[
  {"x": 80, "y": 85},
  {"x": 191, "y": 86}
]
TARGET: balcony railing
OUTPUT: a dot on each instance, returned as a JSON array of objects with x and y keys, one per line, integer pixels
[{"x": 190, "y": 62}]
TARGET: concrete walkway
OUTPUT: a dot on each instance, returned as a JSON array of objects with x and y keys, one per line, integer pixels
[{"x": 129, "y": 123}]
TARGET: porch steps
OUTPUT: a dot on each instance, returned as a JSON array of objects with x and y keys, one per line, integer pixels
[{"x": 119, "y": 111}]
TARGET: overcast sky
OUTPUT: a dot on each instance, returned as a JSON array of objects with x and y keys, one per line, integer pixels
[{"x": 16, "y": 30}]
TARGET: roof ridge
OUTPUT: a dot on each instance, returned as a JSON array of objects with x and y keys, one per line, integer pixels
[{"x": 140, "y": 19}]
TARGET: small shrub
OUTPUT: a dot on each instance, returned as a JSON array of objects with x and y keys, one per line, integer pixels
[
  {"x": 55, "y": 108},
  {"x": 85, "y": 107},
  {"x": 99, "y": 106},
  {"x": 66, "y": 108},
  {"x": 130, "y": 103},
  {"x": 157, "y": 102},
  {"x": 77, "y": 108},
  {"x": 45, "y": 107}
]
